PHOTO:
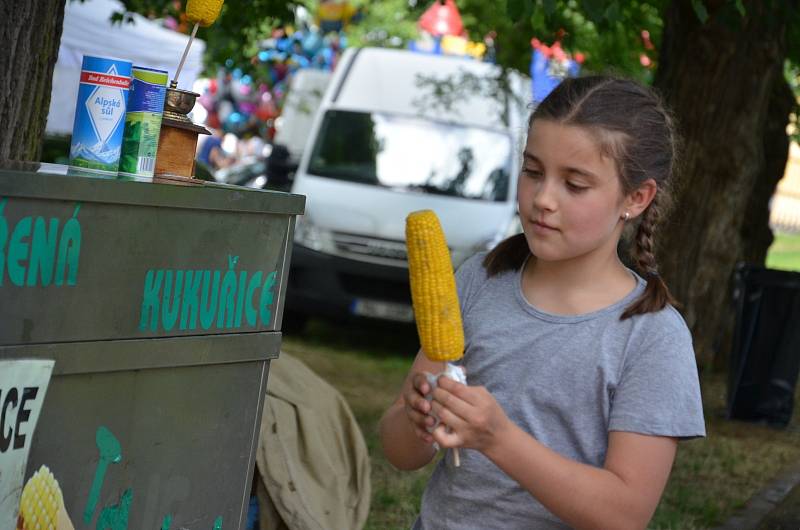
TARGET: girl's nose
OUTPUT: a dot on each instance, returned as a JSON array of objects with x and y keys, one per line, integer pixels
[{"x": 544, "y": 197}]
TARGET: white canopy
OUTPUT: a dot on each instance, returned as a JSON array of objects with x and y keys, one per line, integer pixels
[{"x": 88, "y": 31}]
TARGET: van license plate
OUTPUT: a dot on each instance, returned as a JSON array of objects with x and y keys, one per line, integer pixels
[{"x": 384, "y": 310}]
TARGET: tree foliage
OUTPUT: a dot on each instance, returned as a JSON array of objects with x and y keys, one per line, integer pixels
[{"x": 609, "y": 33}]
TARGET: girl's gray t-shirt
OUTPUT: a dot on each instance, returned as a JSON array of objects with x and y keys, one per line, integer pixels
[{"x": 567, "y": 381}]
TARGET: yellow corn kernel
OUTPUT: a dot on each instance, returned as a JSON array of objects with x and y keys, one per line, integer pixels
[
  {"x": 203, "y": 12},
  {"x": 42, "y": 504},
  {"x": 433, "y": 288}
]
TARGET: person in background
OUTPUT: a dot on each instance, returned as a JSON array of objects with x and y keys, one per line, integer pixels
[{"x": 211, "y": 153}]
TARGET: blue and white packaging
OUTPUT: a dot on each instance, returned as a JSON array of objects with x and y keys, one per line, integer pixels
[{"x": 100, "y": 115}]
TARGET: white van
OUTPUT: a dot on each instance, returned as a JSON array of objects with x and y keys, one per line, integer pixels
[
  {"x": 399, "y": 131},
  {"x": 303, "y": 98}
]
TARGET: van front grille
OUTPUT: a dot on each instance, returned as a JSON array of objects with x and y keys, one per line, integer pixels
[{"x": 379, "y": 250}]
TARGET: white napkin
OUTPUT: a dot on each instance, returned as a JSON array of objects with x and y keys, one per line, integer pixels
[{"x": 454, "y": 372}]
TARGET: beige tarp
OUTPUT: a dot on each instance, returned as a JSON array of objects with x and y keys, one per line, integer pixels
[{"x": 312, "y": 459}]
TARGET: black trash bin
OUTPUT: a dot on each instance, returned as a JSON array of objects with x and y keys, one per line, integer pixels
[{"x": 765, "y": 357}]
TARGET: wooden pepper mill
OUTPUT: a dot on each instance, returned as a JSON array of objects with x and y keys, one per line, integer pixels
[{"x": 177, "y": 142}]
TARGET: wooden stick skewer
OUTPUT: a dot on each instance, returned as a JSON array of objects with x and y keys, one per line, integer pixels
[
  {"x": 174, "y": 82},
  {"x": 456, "y": 455}
]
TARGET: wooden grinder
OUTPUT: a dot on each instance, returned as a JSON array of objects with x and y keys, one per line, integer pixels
[{"x": 177, "y": 142}]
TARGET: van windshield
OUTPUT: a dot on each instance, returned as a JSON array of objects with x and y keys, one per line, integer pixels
[{"x": 413, "y": 154}]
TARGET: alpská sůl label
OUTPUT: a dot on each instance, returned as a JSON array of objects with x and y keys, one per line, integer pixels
[{"x": 100, "y": 115}]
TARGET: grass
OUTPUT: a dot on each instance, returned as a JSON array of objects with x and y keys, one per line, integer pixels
[
  {"x": 711, "y": 478},
  {"x": 785, "y": 252}
]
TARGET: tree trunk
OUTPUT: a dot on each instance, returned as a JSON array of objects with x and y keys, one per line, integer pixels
[
  {"x": 718, "y": 78},
  {"x": 756, "y": 233},
  {"x": 30, "y": 32}
]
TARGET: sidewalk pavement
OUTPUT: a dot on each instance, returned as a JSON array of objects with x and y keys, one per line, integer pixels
[
  {"x": 785, "y": 516},
  {"x": 775, "y": 507}
]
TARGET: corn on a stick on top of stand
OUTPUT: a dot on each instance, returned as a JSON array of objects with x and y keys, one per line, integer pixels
[
  {"x": 200, "y": 13},
  {"x": 203, "y": 12},
  {"x": 433, "y": 288}
]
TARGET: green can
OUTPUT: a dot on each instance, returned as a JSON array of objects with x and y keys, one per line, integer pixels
[{"x": 143, "y": 123}]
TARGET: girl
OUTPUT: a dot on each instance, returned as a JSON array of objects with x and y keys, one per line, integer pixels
[{"x": 582, "y": 374}]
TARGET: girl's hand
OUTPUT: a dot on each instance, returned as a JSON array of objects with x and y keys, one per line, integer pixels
[
  {"x": 470, "y": 416},
  {"x": 417, "y": 407}
]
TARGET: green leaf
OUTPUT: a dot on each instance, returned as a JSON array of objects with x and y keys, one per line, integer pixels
[
  {"x": 613, "y": 12},
  {"x": 538, "y": 22},
  {"x": 549, "y": 7},
  {"x": 740, "y": 8},
  {"x": 516, "y": 9},
  {"x": 700, "y": 10},
  {"x": 594, "y": 9}
]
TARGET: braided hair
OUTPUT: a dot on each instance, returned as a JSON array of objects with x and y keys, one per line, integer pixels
[{"x": 633, "y": 127}]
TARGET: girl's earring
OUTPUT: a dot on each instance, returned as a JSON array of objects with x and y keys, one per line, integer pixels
[{"x": 626, "y": 216}]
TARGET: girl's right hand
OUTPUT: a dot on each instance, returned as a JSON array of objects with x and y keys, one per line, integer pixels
[{"x": 417, "y": 407}]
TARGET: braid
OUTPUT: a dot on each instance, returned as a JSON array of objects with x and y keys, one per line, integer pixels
[
  {"x": 644, "y": 249},
  {"x": 656, "y": 295}
]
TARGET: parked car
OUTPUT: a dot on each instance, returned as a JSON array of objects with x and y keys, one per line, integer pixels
[{"x": 399, "y": 131}]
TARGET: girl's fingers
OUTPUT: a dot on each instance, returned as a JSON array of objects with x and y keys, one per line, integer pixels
[
  {"x": 445, "y": 438},
  {"x": 423, "y": 421},
  {"x": 463, "y": 392},
  {"x": 417, "y": 402},
  {"x": 416, "y": 417},
  {"x": 425, "y": 436},
  {"x": 420, "y": 382},
  {"x": 448, "y": 416},
  {"x": 423, "y": 405},
  {"x": 452, "y": 402},
  {"x": 419, "y": 416}
]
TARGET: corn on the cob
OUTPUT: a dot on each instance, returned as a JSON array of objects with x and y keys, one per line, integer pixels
[
  {"x": 42, "y": 504},
  {"x": 203, "y": 12},
  {"x": 433, "y": 288}
]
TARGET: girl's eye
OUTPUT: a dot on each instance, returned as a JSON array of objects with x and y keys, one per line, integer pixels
[
  {"x": 533, "y": 173},
  {"x": 577, "y": 188}
]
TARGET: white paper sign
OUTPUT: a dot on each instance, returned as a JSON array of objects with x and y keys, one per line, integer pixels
[{"x": 23, "y": 384}]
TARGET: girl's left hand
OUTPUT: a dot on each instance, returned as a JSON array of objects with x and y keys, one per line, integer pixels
[{"x": 470, "y": 416}]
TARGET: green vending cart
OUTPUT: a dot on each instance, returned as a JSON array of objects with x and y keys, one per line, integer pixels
[{"x": 161, "y": 306}]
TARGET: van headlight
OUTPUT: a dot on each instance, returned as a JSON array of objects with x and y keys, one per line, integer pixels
[{"x": 309, "y": 235}]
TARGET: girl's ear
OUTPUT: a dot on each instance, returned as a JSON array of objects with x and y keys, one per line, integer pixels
[{"x": 639, "y": 199}]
